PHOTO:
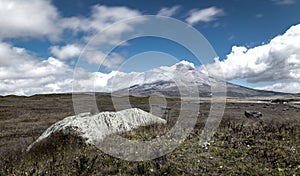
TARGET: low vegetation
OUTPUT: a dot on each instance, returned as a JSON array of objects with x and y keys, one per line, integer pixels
[
  {"x": 234, "y": 150},
  {"x": 268, "y": 147}
]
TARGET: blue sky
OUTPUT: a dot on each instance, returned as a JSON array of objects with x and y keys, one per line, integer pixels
[
  {"x": 244, "y": 22},
  {"x": 52, "y": 35}
]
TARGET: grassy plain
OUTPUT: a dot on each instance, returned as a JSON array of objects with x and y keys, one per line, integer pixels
[{"x": 241, "y": 146}]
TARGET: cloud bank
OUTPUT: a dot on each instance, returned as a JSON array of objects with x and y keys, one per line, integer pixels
[
  {"x": 23, "y": 74},
  {"x": 277, "y": 60}
]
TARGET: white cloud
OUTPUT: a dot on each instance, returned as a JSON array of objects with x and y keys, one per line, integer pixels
[
  {"x": 92, "y": 81},
  {"x": 204, "y": 15},
  {"x": 292, "y": 87},
  {"x": 100, "y": 18},
  {"x": 38, "y": 19},
  {"x": 23, "y": 74},
  {"x": 10, "y": 55},
  {"x": 28, "y": 75},
  {"x": 103, "y": 16},
  {"x": 182, "y": 72},
  {"x": 276, "y": 61},
  {"x": 30, "y": 18},
  {"x": 168, "y": 11},
  {"x": 111, "y": 61},
  {"x": 284, "y": 2},
  {"x": 99, "y": 22},
  {"x": 66, "y": 52}
]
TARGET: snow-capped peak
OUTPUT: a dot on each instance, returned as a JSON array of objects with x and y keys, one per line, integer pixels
[
  {"x": 181, "y": 71},
  {"x": 184, "y": 66},
  {"x": 181, "y": 66}
]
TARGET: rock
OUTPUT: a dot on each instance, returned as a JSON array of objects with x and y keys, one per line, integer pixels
[
  {"x": 253, "y": 114},
  {"x": 93, "y": 128},
  {"x": 205, "y": 145},
  {"x": 279, "y": 101},
  {"x": 285, "y": 109}
]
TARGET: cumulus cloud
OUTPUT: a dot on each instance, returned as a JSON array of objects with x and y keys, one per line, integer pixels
[
  {"x": 66, "y": 52},
  {"x": 10, "y": 55},
  {"x": 100, "y": 18},
  {"x": 23, "y": 74},
  {"x": 36, "y": 19},
  {"x": 30, "y": 18},
  {"x": 168, "y": 11},
  {"x": 103, "y": 16},
  {"x": 275, "y": 61},
  {"x": 204, "y": 15},
  {"x": 28, "y": 75}
]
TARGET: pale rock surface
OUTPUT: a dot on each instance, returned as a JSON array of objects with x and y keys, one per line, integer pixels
[{"x": 94, "y": 128}]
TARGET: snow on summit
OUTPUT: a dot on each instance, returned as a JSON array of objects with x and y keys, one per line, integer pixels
[{"x": 181, "y": 71}]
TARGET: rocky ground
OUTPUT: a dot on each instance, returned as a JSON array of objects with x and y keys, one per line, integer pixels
[{"x": 249, "y": 146}]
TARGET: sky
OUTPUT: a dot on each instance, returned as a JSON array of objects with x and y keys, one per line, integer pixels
[{"x": 43, "y": 42}]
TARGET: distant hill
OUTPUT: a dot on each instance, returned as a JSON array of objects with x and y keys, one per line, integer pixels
[
  {"x": 164, "y": 80},
  {"x": 170, "y": 89}
]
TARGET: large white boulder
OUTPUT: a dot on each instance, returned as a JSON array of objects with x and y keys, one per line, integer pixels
[{"x": 93, "y": 128}]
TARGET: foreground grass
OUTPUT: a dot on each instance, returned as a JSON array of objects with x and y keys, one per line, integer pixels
[{"x": 263, "y": 149}]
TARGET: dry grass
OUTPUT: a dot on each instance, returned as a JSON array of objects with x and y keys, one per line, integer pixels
[{"x": 239, "y": 147}]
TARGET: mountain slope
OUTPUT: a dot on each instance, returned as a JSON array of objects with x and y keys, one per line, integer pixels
[
  {"x": 167, "y": 81},
  {"x": 170, "y": 89}
]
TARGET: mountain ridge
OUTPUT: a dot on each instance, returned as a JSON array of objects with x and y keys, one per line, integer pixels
[
  {"x": 168, "y": 80},
  {"x": 204, "y": 90}
]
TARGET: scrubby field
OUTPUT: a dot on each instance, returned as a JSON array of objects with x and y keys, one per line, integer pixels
[{"x": 241, "y": 146}]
